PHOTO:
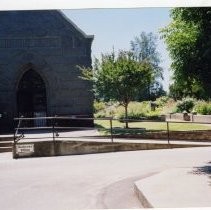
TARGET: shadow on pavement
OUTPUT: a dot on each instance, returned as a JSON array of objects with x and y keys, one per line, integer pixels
[{"x": 203, "y": 170}]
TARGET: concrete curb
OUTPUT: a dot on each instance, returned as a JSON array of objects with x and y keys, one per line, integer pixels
[
  {"x": 174, "y": 188},
  {"x": 145, "y": 203}
]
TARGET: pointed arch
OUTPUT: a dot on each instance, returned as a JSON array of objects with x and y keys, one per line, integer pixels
[{"x": 31, "y": 95}]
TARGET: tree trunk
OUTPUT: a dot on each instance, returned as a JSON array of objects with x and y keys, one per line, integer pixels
[
  {"x": 148, "y": 90},
  {"x": 126, "y": 116}
]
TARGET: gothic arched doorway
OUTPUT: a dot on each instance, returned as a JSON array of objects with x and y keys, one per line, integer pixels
[{"x": 31, "y": 97}]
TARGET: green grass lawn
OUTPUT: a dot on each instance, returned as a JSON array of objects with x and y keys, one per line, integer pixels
[{"x": 153, "y": 126}]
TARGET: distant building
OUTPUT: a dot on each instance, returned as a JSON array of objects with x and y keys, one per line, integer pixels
[{"x": 39, "y": 54}]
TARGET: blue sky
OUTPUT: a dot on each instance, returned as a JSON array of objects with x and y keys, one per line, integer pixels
[{"x": 117, "y": 27}]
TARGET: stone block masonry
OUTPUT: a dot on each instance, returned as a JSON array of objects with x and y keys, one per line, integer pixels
[{"x": 51, "y": 46}]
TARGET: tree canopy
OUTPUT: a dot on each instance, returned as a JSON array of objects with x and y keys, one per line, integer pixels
[
  {"x": 119, "y": 77},
  {"x": 144, "y": 48},
  {"x": 189, "y": 44}
]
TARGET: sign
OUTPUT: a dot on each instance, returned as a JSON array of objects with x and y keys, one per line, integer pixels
[{"x": 24, "y": 149}]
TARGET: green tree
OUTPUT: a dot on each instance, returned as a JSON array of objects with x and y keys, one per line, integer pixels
[
  {"x": 119, "y": 77},
  {"x": 144, "y": 48},
  {"x": 189, "y": 44}
]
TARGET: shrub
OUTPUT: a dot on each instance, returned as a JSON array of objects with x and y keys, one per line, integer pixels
[
  {"x": 136, "y": 110},
  {"x": 105, "y": 109},
  {"x": 203, "y": 107},
  {"x": 98, "y": 106},
  {"x": 100, "y": 114},
  {"x": 154, "y": 115},
  {"x": 162, "y": 101},
  {"x": 170, "y": 107},
  {"x": 132, "y": 115},
  {"x": 186, "y": 104}
]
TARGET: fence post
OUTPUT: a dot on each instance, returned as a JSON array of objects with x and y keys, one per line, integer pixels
[
  {"x": 14, "y": 136},
  {"x": 53, "y": 130},
  {"x": 111, "y": 129},
  {"x": 168, "y": 131}
]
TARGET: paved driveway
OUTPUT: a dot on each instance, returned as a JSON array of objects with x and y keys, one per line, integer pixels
[{"x": 86, "y": 181}]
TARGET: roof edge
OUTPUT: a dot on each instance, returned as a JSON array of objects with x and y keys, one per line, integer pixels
[{"x": 75, "y": 26}]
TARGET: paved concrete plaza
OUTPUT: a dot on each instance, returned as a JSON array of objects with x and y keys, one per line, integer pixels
[{"x": 102, "y": 180}]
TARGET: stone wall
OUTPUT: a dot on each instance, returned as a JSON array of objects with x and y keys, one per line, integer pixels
[{"x": 51, "y": 45}]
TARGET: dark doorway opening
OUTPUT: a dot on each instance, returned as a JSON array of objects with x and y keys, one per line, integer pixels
[{"x": 31, "y": 98}]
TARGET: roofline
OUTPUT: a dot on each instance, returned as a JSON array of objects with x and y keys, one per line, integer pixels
[{"x": 75, "y": 26}]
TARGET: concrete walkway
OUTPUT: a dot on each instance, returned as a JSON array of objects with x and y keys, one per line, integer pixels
[
  {"x": 178, "y": 187},
  {"x": 106, "y": 180}
]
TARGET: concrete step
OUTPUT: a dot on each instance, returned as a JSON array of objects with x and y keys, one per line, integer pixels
[
  {"x": 6, "y": 138},
  {"x": 6, "y": 143},
  {"x": 5, "y": 149}
]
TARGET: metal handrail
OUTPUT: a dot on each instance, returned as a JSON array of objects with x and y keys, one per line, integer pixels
[
  {"x": 55, "y": 128},
  {"x": 16, "y": 137},
  {"x": 68, "y": 118}
]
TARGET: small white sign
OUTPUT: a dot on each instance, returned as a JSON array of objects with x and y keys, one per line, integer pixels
[{"x": 24, "y": 149}]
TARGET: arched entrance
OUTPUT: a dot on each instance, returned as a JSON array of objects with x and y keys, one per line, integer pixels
[{"x": 31, "y": 97}]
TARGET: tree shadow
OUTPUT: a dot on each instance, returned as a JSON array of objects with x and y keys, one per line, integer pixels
[
  {"x": 203, "y": 170},
  {"x": 121, "y": 131}
]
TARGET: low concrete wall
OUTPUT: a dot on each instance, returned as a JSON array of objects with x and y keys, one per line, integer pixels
[
  {"x": 202, "y": 118},
  {"x": 177, "y": 116},
  {"x": 173, "y": 135},
  {"x": 49, "y": 148},
  {"x": 195, "y": 118}
]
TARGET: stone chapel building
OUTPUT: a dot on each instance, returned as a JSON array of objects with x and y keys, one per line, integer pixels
[{"x": 39, "y": 55}]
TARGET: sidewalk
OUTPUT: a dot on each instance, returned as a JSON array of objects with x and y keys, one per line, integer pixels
[
  {"x": 177, "y": 188},
  {"x": 103, "y": 180}
]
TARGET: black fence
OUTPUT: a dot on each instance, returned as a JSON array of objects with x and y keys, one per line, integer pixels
[{"x": 56, "y": 125}]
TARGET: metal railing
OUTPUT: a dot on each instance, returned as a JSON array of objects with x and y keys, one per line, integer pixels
[{"x": 55, "y": 127}]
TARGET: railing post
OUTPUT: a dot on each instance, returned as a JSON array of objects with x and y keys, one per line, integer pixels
[
  {"x": 14, "y": 136},
  {"x": 192, "y": 117},
  {"x": 16, "y": 129},
  {"x": 53, "y": 128},
  {"x": 168, "y": 131},
  {"x": 111, "y": 129}
]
